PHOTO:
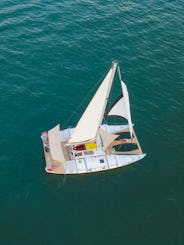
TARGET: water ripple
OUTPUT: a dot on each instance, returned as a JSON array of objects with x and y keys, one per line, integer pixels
[{"x": 52, "y": 53}]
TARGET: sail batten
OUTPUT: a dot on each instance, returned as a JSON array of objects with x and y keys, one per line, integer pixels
[{"x": 88, "y": 125}]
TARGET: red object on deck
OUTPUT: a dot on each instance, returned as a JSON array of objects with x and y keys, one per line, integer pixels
[
  {"x": 79, "y": 148},
  {"x": 44, "y": 133},
  {"x": 49, "y": 169}
]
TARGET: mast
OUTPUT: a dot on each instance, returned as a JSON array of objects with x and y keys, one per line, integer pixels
[
  {"x": 114, "y": 67},
  {"x": 121, "y": 106}
]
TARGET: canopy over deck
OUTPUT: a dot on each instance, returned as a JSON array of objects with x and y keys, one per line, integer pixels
[
  {"x": 107, "y": 138},
  {"x": 55, "y": 144}
]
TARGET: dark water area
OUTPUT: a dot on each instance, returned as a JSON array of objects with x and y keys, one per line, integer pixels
[{"x": 51, "y": 55}]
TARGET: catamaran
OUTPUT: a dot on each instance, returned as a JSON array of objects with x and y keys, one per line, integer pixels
[{"x": 93, "y": 145}]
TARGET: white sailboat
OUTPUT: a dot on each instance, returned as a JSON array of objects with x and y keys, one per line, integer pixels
[{"x": 92, "y": 145}]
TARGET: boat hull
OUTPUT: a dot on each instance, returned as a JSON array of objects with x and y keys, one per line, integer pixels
[
  {"x": 96, "y": 164},
  {"x": 99, "y": 161}
]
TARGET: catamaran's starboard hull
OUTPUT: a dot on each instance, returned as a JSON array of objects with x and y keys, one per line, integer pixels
[{"x": 96, "y": 164}]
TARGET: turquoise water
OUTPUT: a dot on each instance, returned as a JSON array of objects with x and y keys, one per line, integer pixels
[{"x": 51, "y": 54}]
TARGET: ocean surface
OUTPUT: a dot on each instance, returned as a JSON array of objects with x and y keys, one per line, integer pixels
[{"x": 52, "y": 53}]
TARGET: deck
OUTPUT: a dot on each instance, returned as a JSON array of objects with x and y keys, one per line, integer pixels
[{"x": 99, "y": 161}]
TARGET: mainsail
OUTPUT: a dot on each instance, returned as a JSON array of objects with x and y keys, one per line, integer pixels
[
  {"x": 88, "y": 125},
  {"x": 122, "y": 107}
]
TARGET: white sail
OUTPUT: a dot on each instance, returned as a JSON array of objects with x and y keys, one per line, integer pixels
[
  {"x": 107, "y": 138},
  {"x": 122, "y": 107},
  {"x": 118, "y": 108},
  {"x": 55, "y": 144},
  {"x": 88, "y": 125}
]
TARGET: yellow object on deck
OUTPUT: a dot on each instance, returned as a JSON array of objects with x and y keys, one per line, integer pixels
[{"x": 90, "y": 146}]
